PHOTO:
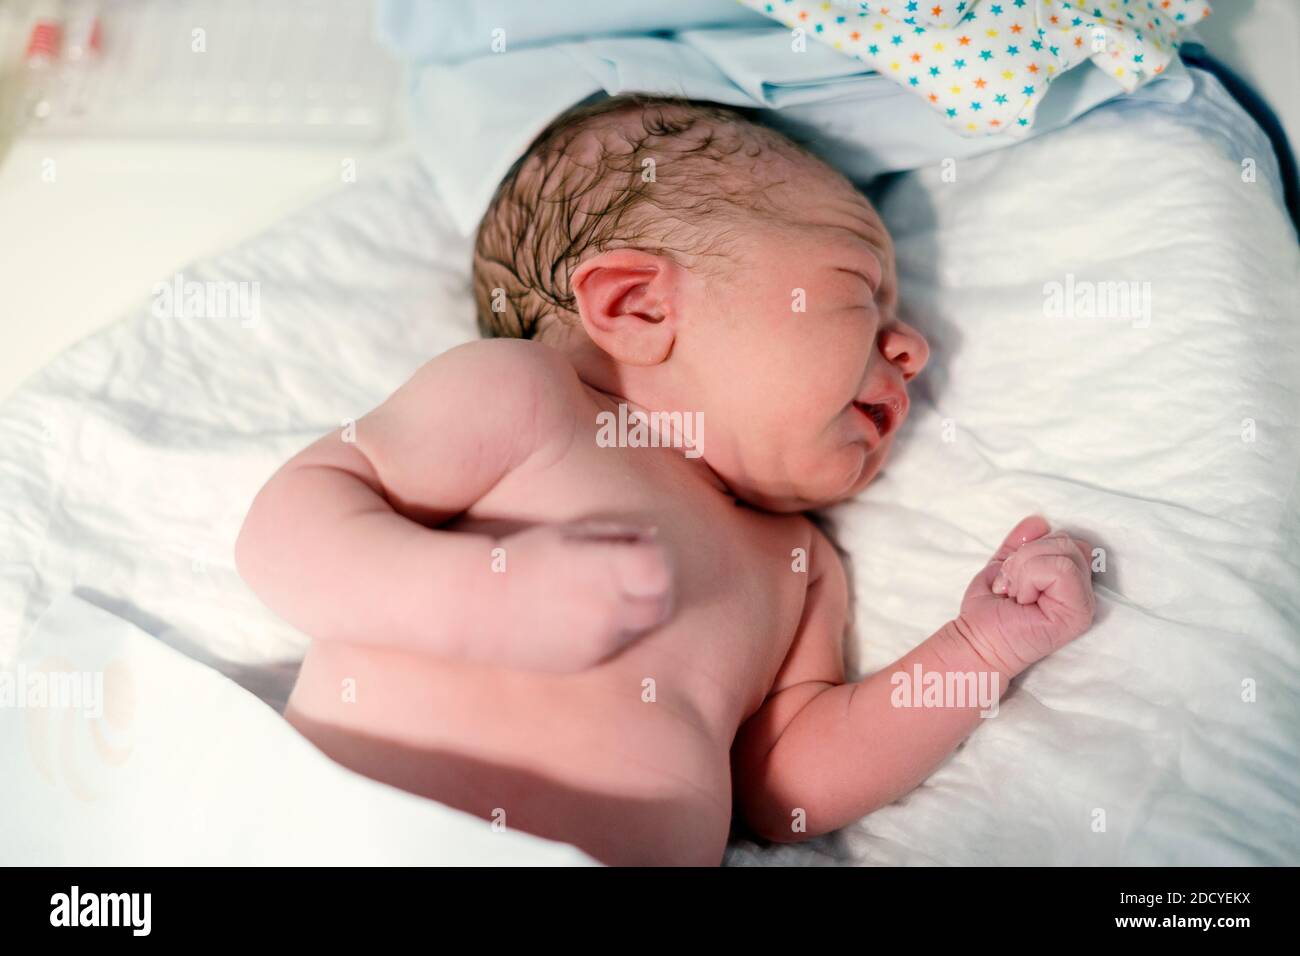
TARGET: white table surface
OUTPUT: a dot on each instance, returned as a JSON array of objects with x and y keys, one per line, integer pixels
[{"x": 81, "y": 251}]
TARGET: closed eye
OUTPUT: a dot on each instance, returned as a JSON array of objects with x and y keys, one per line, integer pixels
[{"x": 871, "y": 281}]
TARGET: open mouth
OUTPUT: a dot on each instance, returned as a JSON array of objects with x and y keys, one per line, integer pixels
[{"x": 879, "y": 414}]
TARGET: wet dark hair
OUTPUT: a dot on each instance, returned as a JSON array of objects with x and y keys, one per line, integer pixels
[{"x": 626, "y": 171}]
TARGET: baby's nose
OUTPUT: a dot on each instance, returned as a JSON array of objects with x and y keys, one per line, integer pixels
[{"x": 905, "y": 347}]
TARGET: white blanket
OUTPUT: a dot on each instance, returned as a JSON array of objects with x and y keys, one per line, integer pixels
[
  {"x": 1167, "y": 734},
  {"x": 163, "y": 762}
]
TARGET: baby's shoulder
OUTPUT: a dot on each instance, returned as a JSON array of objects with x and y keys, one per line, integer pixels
[
  {"x": 507, "y": 365},
  {"x": 522, "y": 390},
  {"x": 513, "y": 378},
  {"x": 825, "y": 560},
  {"x": 804, "y": 537}
]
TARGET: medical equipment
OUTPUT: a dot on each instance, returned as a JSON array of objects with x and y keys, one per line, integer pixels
[
  {"x": 39, "y": 63},
  {"x": 300, "y": 69}
]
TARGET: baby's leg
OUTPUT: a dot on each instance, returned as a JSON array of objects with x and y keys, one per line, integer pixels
[{"x": 555, "y": 756}]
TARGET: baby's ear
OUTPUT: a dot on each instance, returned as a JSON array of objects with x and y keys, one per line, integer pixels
[{"x": 628, "y": 302}]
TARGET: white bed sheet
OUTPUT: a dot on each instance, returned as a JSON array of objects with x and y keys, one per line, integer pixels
[
  {"x": 186, "y": 768},
  {"x": 126, "y": 467}
]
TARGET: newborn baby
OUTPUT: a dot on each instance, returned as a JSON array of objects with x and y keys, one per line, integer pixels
[{"x": 614, "y": 635}]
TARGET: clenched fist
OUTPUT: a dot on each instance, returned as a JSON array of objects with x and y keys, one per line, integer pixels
[{"x": 1032, "y": 598}]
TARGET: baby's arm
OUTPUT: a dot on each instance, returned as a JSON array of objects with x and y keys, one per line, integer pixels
[
  {"x": 821, "y": 753},
  {"x": 342, "y": 541}
]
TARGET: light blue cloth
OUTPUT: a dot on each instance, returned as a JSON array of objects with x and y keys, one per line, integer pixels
[
  {"x": 474, "y": 111},
  {"x": 448, "y": 31}
]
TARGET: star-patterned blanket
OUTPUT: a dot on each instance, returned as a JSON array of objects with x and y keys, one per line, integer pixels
[{"x": 984, "y": 65}]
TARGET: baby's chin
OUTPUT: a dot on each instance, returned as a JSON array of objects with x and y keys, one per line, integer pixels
[
  {"x": 872, "y": 462},
  {"x": 865, "y": 466},
  {"x": 833, "y": 480}
]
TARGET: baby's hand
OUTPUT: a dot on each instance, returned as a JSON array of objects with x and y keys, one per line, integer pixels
[
  {"x": 580, "y": 592},
  {"x": 1033, "y": 598}
]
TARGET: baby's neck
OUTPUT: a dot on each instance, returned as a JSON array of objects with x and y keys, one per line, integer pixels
[
  {"x": 624, "y": 422},
  {"x": 608, "y": 387}
]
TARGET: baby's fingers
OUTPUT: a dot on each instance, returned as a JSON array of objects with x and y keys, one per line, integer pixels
[
  {"x": 1026, "y": 531},
  {"x": 1062, "y": 592},
  {"x": 1007, "y": 580}
]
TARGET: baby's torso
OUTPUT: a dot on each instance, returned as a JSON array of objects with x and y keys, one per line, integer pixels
[{"x": 630, "y": 759}]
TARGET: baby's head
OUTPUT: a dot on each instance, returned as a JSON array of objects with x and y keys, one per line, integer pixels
[{"x": 688, "y": 259}]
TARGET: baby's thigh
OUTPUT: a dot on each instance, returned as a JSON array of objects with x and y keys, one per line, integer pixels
[{"x": 550, "y": 756}]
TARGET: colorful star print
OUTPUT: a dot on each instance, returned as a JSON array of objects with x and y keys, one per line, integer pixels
[{"x": 1025, "y": 46}]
